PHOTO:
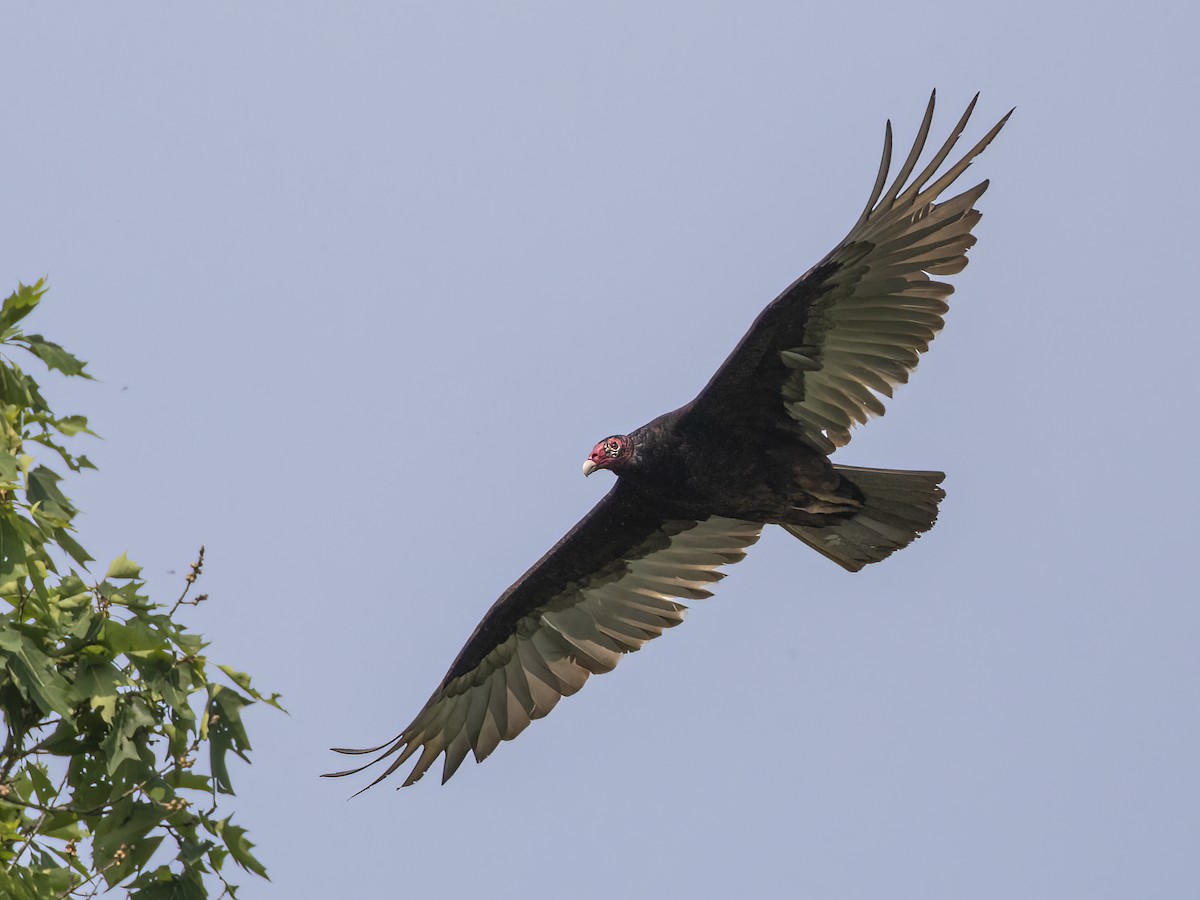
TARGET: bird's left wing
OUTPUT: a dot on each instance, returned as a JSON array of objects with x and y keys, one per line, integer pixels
[
  {"x": 605, "y": 589},
  {"x": 853, "y": 326}
]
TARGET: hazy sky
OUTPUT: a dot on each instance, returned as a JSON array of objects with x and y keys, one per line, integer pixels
[{"x": 364, "y": 283}]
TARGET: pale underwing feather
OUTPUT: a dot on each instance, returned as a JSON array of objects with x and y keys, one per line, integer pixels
[
  {"x": 879, "y": 309},
  {"x": 553, "y": 652}
]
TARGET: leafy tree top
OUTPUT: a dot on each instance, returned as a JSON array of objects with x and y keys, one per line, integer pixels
[{"x": 117, "y": 728}]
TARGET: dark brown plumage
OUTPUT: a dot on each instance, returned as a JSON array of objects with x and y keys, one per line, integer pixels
[{"x": 696, "y": 486}]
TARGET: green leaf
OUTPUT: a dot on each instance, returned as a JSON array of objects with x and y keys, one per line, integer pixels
[
  {"x": 74, "y": 463},
  {"x": 225, "y": 733},
  {"x": 21, "y": 303},
  {"x": 12, "y": 548},
  {"x": 127, "y": 824},
  {"x": 134, "y": 636},
  {"x": 73, "y": 549},
  {"x": 137, "y": 855},
  {"x": 10, "y": 468},
  {"x": 35, "y": 674},
  {"x": 193, "y": 850},
  {"x": 35, "y": 568},
  {"x": 234, "y": 837},
  {"x": 29, "y": 883},
  {"x": 178, "y": 887},
  {"x": 242, "y": 680},
  {"x": 74, "y": 601},
  {"x": 72, "y": 425},
  {"x": 133, "y": 721},
  {"x": 53, "y": 355},
  {"x": 190, "y": 644},
  {"x": 118, "y": 747},
  {"x": 127, "y": 595},
  {"x": 43, "y": 489},
  {"x": 42, "y": 786},
  {"x": 18, "y": 389},
  {"x": 183, "y": 780},
  {"x": 97, "y": 682},
  {"x": 123, "y": 567}
]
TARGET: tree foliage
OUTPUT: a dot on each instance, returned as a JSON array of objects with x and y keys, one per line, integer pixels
[{"x": 108, "y": 702}]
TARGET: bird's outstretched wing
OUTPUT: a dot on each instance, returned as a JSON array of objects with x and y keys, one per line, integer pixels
[
  {"x": 605, "y": 589},
  {"x": 852, "y": 327}
]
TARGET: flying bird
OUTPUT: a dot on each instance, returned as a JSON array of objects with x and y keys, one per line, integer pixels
[{"x": 696, "y": 486}]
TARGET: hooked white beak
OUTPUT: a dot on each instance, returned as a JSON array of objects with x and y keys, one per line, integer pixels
[{"x": 588, "y": 467}]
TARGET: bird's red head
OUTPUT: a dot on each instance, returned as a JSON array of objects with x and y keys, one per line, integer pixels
[{"x": 608, "y": 454}]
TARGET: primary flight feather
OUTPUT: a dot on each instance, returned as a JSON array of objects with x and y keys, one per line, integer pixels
[{"x": 696, "y": 486}]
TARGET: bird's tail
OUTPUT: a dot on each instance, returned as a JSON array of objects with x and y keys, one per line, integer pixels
[{"x": 898, "y": 507}]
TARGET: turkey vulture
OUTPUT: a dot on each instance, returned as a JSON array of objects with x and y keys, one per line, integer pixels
[{"x": 696, "y": 486}]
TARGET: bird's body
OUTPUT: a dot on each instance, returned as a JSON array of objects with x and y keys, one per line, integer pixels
[
  {"x": 695, "y": 465},
  {"x": 696, "y": 486}
]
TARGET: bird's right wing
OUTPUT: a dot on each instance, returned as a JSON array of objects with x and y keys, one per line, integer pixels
[
  {"x": 604, "y": 590},
  {"x": 852, "y": 327}
]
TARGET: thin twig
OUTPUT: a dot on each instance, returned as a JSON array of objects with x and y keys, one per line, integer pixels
[
  {"x": 37, "y": 826},
  {"x": 95, "y": 888},
  {"x": 189, "y": 580}
]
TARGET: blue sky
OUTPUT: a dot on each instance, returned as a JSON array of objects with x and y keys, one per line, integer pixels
[{"x": 364, "y": 284}]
